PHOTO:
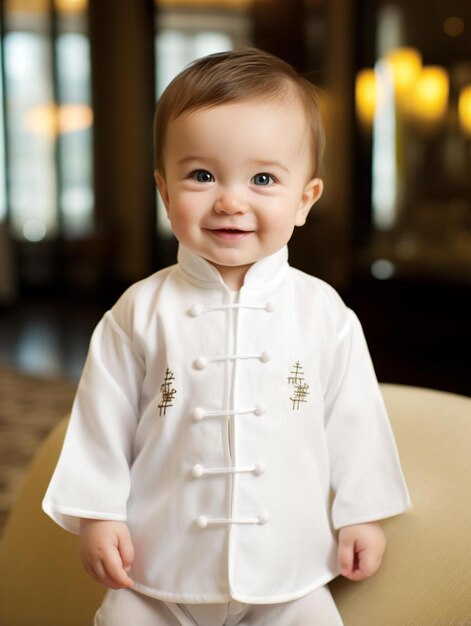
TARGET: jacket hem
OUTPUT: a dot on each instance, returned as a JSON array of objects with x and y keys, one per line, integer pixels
[
  {"x": 61, "y": 514},
  {"x": 211, "y": 598},
  {"x": 167, "y": 596},
  {"x": 372, "y": 517},
  {"x": 285, "y": 597}
]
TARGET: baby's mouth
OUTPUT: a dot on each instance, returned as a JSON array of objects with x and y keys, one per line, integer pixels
[{"x": 229, "y": 233}]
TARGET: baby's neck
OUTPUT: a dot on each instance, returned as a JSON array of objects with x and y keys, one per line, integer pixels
[{"x": 233, "y": 277}]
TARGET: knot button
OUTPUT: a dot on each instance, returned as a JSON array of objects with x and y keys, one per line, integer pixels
[
  {"x": 260, "y": 408},
  {"x": 269, "y": 307},
  {"x": 196, "y": 310},
  {"x": 263, "y": 518},
  {"x": 201, "y": 362},
  {"x": 260, "y": 469},
  {"x": 197, "y": 471},
  {"x": 265, "y": 356},
  {"x": 198, "y": 414},
  {"x": 202, "y": 521}
]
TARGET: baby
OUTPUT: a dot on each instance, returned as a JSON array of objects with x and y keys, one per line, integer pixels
[{"x": 229, "y": 452}]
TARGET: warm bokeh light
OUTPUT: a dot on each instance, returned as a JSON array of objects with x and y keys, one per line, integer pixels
[
  {"x": 365, "y": 96},
  {"x": 71, "y": 6},
  {"x": 208, "y": 4},
  {"x": 430, "y": 95},
  {"x": 464, "y": 109},
  {"x": 43, "y": 6},
  {"x": 48, "y": 120},
  {"x": 406, "y": 64},
  {"x": 26, "y": 6},
  {"x": 453, "y": 26}
]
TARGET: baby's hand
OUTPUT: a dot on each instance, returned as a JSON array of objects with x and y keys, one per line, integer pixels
[
  {"x": 361, "y": 549},
  {"x": 107, "y": 552}
]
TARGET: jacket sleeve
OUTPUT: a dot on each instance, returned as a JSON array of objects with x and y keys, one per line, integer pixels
[
  {"x": 366, "y": 475},
  {"x": 92, "y": 477}
]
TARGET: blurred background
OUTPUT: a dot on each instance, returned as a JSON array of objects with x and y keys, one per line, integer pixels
[{"x": 79, "y": 215}]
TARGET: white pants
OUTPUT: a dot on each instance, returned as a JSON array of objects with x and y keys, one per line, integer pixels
[{"x": 125, "y": 607}]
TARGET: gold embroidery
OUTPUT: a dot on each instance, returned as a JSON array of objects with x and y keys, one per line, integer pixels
[
  {"x": 300, "y": 388},
  {"x": 167, "y": 392}
]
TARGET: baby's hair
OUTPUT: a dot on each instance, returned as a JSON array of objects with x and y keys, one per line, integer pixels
[{"x": 228, "y": 77}]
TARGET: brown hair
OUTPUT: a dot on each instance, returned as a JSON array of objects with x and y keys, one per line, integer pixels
[{"x": 236, "y": 76}]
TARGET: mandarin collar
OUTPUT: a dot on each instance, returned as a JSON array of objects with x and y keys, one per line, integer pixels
[{"x": 262, "y": 274}]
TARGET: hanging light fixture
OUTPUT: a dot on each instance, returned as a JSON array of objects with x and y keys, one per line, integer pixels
[
  {"x": 406, "y": 65},
  {"x": 71, "y": 6},
  {"x": 430, "y": 95},
  {"x": 365, "y": 96},
  {"x": 464, "y": 109}
]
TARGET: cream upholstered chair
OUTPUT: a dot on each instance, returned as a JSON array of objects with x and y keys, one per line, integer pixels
[
  {"x": 425, "y": 579},
  {"x": 41, "y": 578}
]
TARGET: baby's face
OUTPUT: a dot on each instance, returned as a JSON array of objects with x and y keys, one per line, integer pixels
[{"x": 237, "y": 181}]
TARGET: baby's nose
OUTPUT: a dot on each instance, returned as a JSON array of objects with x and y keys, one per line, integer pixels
[{"x": 230, "y": 204}]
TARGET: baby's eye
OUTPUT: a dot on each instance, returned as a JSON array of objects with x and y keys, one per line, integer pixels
[
  {"x": 262, "y": 179},
  {"x": 202, "y": 176}
]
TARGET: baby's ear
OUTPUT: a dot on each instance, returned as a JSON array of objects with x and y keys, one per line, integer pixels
[
  {"x": 311, "y": 194},
  {"x": 162, "y": 187}
]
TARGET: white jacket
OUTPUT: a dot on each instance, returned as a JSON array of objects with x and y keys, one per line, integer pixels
[{"x": 233, "y": 432}]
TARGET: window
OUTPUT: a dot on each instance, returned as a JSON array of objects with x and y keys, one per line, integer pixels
[
  {"x": 185, "y": 34},
  {"x": 415, "y": 133},
  {"x": 30, "y": 157},
  {"x": 3, "y": 182},
  {"x": 47, "y": 147},
  {"x": 75, "y": 164}
]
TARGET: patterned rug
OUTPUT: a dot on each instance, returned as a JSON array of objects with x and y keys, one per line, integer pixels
[{"x": 30, "y": 407}]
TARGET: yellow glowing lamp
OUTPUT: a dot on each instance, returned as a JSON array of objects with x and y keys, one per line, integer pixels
[
  {"x": 43, "y": 6},
  {"x": 464, "y": 109},
  {"x": 406, "y": 64},
  {"x": 430, "y": 97},
  {"x": 48, "y": 120},
  {"x": 365, "y": 96},
  {"x": 71, "y": 6}
]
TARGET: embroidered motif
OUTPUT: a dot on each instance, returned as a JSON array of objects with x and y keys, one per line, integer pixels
[
  {"x": 300, "y": 388},
  {"x": 167, "y": 392}
]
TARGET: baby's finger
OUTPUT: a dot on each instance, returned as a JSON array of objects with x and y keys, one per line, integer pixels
[
  {"x": 356, "y": 575},
  {"x": 97, "y": 572},
  {"x": 89, "y": 569},
  {"x": 369, "y": 563},
  {"x": 126, "y": 551},
  {"x": 345, "y": 558},
  {"x": 100, "y": 575},
  {"x": 114, "y": 569}
]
